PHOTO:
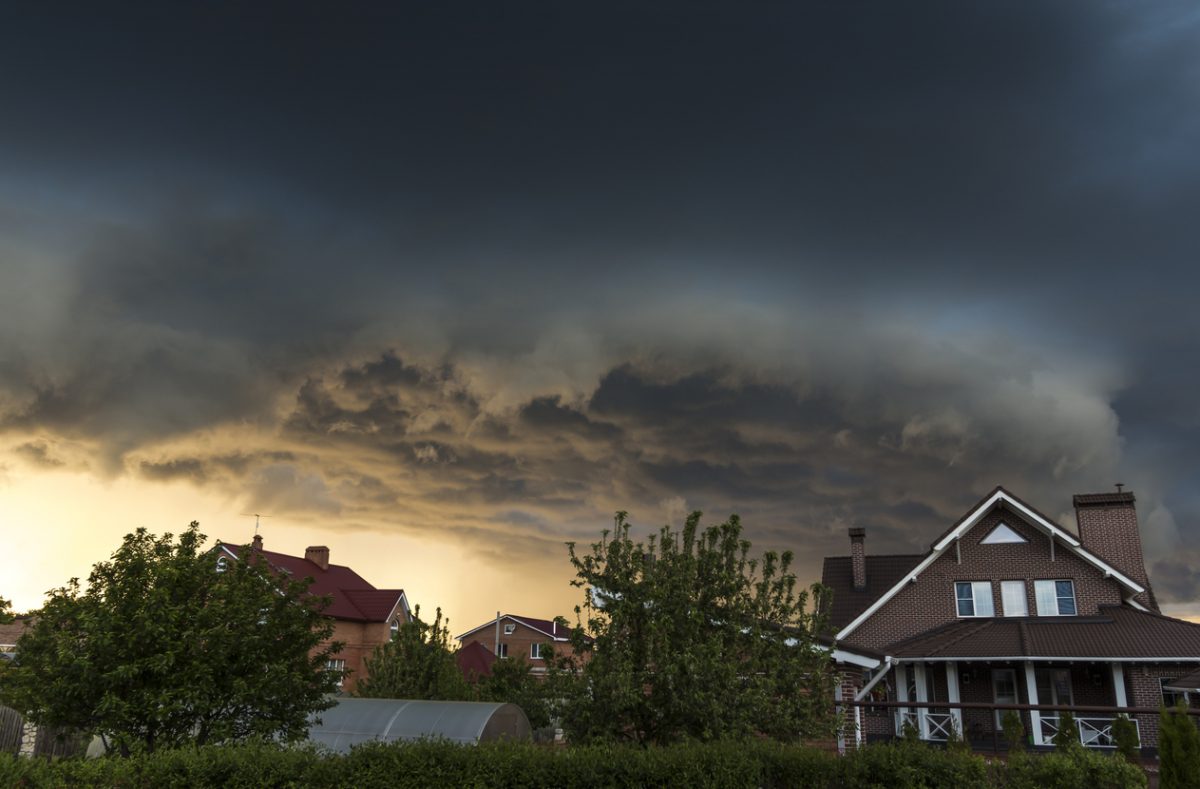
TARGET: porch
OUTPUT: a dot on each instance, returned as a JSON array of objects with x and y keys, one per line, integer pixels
[{"x": 970, "y": 698}]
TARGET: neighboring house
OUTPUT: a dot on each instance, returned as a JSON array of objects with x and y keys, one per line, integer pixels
[
  {"x": 10, "y": 632},
  {"x": 1009, "y": 607},
  {"x": 364, "y": 617},
  {"x": 475, "y": 661},
  {"x": 509, "y": 635}
]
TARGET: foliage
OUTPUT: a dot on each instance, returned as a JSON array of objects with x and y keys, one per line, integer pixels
[
  {"x": 162, "y": 650},
  {"x": 6, "y": 614},
  {"x": 736, "y": 764},
  {"x": 1014, "y": 730},
  {"x": 1067, "y": 736},
  {"x": 1178, "y": 749},
  {"x": 1074, "y": 768},
  {"x": 1125, "y": 738},
  {"x": 693, "y": 639},
  {"x": 512, "y": 681},
  {"x": 955, "y": 741},
  {"x": 416, "y": 664}
]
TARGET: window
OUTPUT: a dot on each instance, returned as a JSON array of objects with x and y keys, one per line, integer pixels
[
  {"x": 1054, "y": 686},
  {"x": 1012, "y": 595},
  {"x": 1055, "y": 598},
  {"x": 503, "y": 651},
  {"x": 222, "y": 564},
  {"x": 510, "y": 629},
  {"x": 394, "y": 627},
  {"x": 1171, "y": 697},
  {"x": 974, "y": 598},
  {"x": 535, "y": 652},
  {"x": 1003, "y": 533},
  {"x": 337, "y": 666}
]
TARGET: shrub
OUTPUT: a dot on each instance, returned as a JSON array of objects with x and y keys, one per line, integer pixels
[
  {"x": 1074, "y": 768},
  {"x": 1125, "y": 738},
  {"x": 1067, "y": 736},
  {"x": 1014, "y": 730},
  {"x": 1178, "y": 750}
]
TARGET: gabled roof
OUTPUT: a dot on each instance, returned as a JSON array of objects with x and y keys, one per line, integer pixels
[
  {"x": 354, "y": 599},
  {"x": 1118, "y": 633},
  {"x": 474, "y": 660},
  {"x": 545, "y": 626},
  {"x": 998, "y": 497}
]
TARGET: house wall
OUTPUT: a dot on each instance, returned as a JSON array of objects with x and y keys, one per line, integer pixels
[
  {"x": 930, "y": 601},
  {"x": 360, "y": 640},
  {"x": 520, "y": 641}
]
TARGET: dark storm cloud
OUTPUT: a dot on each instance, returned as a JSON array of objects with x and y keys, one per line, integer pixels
[{"x": 818, "y": 264}]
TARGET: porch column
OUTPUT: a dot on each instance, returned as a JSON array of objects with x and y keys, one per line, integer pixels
[
  {"x": 952, "y": 691},
  {"x": 1118, "y": 675},
  {"x": 922, "y": 695},
  {"x": 1035, "y": 717},
  {"x": 901, "y": 695}
]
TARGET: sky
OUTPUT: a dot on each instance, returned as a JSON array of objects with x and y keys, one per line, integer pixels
[{"x": 443, "y": 286}]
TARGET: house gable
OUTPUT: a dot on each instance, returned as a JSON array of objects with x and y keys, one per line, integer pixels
[{"x": 925, "y": 597}]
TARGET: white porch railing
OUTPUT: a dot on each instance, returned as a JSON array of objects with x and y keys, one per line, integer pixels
[
  {"x": 937, "y": 725},
  {"x": 1093, "y": 732}
]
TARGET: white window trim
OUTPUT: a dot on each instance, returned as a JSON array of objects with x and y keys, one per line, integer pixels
[
  {"x": 503, "y": 651},
  {"x": 976, "y": 588},
  {"x": 535, "y": 651},
  {"x": 509, "y": 629},
  {"x": 1057, "y": 607},
  {"x": 1024, "y": 598}
]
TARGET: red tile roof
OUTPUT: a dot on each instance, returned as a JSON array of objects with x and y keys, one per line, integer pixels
[
  {"x": 474, "y": 660},
  {"x": 1118, "y": 632},
  {"x": 354, "y": 599}
]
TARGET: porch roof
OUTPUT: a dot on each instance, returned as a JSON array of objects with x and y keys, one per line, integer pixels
[
  {"x": 1189, "y": 683},
  {"x": 1118, "y": 633}
]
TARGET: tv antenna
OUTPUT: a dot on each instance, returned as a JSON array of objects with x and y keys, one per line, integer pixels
[{"x": 256, "y": 517}]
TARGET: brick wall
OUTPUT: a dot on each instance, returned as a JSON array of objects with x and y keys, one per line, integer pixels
[
  {"x": 930, "y": 602},
  {"x": 519, "y": 642},
  {"x": 360, "y": 639}
]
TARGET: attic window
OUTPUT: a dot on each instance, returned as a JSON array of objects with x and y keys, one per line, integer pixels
[
  {"x": 509, "y": 629},
  {"x": 1003, "y": 533},
  {"x": 222, "y": 565}
]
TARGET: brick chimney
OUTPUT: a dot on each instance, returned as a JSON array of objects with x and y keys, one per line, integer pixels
[
  {"x": 256, "y": 544},
  {"x": 318, "y": 555},
  {"x": 1108, "y": 527},
  {"x": 858, "y": 556}
]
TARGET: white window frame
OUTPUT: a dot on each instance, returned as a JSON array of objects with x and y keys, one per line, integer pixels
[
  {"x": 1176, "y": 694},
  {"x": 394, "y": 627},
  {"x": 509, "y": 629},
  {"x": 1005, "y": 598},
  {"x": 535, "y": 651},
  {"x": 1039, "y": 597},
  {"x": 981, "y": 591},
  {"x": 503, "y": 650},
  {"x": 338, "y": 665},
  {"x": 222, "y": 564}
]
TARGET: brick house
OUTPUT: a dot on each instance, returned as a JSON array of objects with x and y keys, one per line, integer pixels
[
  {"x": 1007, "y": 607},
  {"x": 509, "y": 635},
  {"x": 364, "y": 617}
]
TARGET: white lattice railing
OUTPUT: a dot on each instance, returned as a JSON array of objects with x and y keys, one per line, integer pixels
[
  {"x": 1093, "y": 732},
  {"x": 931, "y": 725}
]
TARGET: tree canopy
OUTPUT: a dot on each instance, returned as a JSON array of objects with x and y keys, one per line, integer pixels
[
  {"x": 6, "y": 614},
  {"x": 695, "y": 639},
  {"x": 416, "y": 663},
  {"x": 165, "y": 648}
]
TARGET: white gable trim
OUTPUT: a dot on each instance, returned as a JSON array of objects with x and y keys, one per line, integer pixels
[
  {"x": 965, "y": 526},
  {"x": 519, "y": 621},
  {"x": 401, "y": 602}
]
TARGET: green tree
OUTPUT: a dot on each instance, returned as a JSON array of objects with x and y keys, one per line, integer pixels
[
  {"x": 163, "y": 650},
  {"x": 512, "y": 680},
  {"x": 1067, "y": 736},
  {"x": 1125, "y": 738},
  {"x": 694, "y": 639},
  {"x": 6, "y": 614},
  {"x": 416, "y": 664},
  {"x": 1178, "y": 749},
  {"x": 1014, "y": 730}
]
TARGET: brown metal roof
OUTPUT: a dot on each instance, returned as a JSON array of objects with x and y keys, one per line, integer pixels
[
  {"x": 1119, "y": 632},
  {"x": 883, "y": 572},
  {"x": 1188, "y": 683}
]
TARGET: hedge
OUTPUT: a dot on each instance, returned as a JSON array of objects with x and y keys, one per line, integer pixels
[{"x": 426, "y": 764}]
